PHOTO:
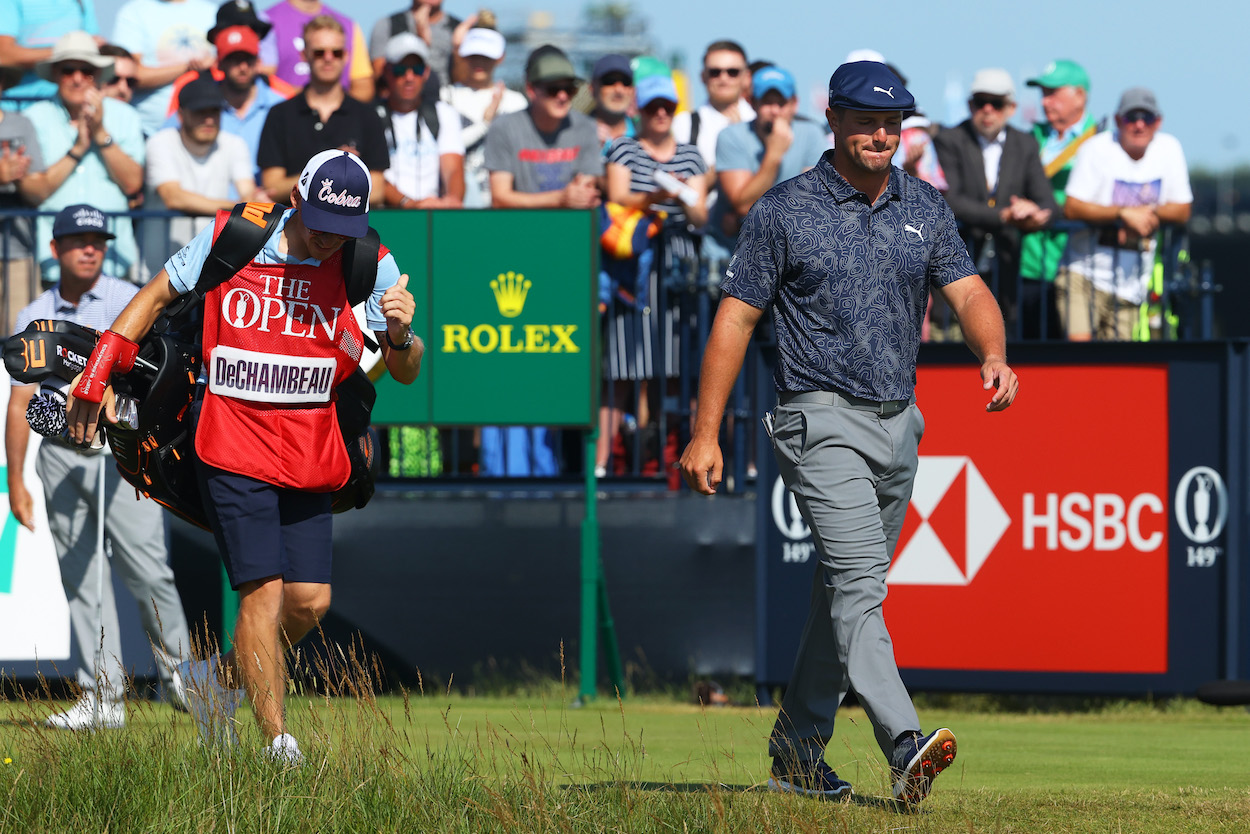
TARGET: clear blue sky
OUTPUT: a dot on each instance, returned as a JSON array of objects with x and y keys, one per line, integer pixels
[{"x": 1193, "y": 55}]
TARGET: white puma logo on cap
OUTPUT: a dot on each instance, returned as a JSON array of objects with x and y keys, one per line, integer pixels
[{"x": 889, "y": 92}]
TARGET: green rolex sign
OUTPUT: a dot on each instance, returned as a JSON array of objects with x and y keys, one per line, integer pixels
[{"x": 507, "y": 306}]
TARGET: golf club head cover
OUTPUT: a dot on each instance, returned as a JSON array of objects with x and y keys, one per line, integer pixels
[{"x": 113, "y": 352}]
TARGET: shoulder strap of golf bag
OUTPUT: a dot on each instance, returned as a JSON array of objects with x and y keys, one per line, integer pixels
[{"x": 241, "y": 239}]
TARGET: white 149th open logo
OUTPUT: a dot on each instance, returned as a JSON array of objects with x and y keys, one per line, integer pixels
[
  {"x": 786, "y": 513},
  {"x": 1201, "y": 504}
]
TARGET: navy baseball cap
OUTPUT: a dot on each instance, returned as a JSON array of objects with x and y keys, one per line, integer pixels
[
  {"x": 612, "y": 63},
  {"x": 334, "y": 190},
  {"x": 868, "y": 85},
  {"x": 201, "y": 94},
  {"x": 80, "y": 219}
]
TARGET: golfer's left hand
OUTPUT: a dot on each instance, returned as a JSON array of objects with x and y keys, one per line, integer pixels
[
  {"x": 398, "y": 306},
  {"x": 997, "y": 374}
]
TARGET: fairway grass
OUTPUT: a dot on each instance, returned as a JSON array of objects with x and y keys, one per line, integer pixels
[{"x": 535, "y": 764}]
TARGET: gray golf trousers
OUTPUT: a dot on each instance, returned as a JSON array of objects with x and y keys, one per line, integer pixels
[
  {"x": 135, "y": 532},
  {"x": 851, "y": 472}
]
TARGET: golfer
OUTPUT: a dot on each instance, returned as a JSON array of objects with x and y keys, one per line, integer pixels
[{"x": 844, "y": 256}]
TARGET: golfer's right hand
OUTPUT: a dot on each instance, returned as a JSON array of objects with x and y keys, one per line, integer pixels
[
  {"x": 21, "y": 504},
  {"x": 83, "y": 417},
  {"x": 701, "y": 465}
]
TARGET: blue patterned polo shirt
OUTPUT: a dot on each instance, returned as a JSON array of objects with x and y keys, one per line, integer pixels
[{"x": 847, "y": 281}]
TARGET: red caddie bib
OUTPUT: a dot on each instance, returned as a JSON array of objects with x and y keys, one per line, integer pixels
[{"x": 277, "y": 340}]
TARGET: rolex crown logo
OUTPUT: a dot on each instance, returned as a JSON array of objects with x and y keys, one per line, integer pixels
[{"x": 510, "y": 290}]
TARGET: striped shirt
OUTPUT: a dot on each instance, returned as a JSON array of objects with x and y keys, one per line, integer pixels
[
  {"x": 686, "y": 162},
  {"x": 98, "y": 308}
]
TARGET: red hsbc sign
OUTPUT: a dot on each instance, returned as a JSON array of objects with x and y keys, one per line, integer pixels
[{"x": 1036, "y": 539}]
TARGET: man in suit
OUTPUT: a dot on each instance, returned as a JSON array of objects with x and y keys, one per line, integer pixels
[{"x": 997, "y": 187}]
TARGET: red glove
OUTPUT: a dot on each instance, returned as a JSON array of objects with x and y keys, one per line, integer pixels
[{"x": 113, "y": 351}]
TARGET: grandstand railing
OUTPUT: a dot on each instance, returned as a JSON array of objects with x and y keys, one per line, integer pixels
[{"x": 682, "y": 304}]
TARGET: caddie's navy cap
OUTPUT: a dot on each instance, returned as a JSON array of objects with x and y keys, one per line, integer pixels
[
  {"x": 80, "y": 219},
  {"x": 868, "y": 85},
  {"x": 334, "y": 188}
]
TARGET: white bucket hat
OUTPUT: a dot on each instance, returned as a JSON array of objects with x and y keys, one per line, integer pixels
[{"x": 77, "y": 46}]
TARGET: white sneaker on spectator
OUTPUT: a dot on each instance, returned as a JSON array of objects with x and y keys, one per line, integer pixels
[
  {"x": 211, "y": 705},
  {"x": 83, "y": 715},
  {"x": 285, "y": 750}
]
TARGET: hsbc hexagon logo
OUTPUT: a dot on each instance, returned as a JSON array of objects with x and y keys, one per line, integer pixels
[{"x": 957, "y": 522}]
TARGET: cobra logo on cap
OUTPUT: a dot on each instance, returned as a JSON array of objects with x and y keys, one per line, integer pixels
[{"x": 327, "y": 195}]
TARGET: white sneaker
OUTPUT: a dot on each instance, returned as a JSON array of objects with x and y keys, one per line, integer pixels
[
  {"x": 285, "y": 750},
  {"x": 175, "y": 691},
  {"x": 211, "y": 705},
  {"x": 83, "y": 715}
]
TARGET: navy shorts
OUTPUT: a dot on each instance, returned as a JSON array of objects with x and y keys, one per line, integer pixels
[{"x": 264, "y": 530}]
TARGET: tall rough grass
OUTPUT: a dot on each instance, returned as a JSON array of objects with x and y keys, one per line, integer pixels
[{"x": 417, "y": 762}]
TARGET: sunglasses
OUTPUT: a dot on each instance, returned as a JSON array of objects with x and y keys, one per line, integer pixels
[
  {"x": 653, "y": 107},
  {"x": 997, "y": 103},
  {"x": 553, "y": 90},
  {"x": 125, "y": 80},
  {"x": 328, "y": 53},
  {"x": 715, "y": 72},
  {"x": 67, "y": 70},
  {"x": 400, "y": 70},
  {"x": 613, "y": 80},
  {"x": 1144, "y": 116}
]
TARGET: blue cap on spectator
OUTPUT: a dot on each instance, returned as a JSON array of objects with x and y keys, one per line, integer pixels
[
  {"x": 612, "y": 63},
  {"x": 334, "y": 189},
  {"x": 655, "y": 88},
  {"x": 868, "y": 85},
  {"x": 772, "y": 78},
  {"x": 80, "y": 219}
]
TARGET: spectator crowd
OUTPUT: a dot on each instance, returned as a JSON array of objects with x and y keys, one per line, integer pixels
[{"x": 192, "y": 107}]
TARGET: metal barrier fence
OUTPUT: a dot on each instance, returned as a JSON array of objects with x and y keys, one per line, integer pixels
[{"x": 646, "y": 417}]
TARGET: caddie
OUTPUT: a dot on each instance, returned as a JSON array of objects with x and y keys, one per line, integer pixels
[{"x": 276, "y": 338}]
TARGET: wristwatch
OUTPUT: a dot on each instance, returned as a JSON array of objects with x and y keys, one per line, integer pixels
[
  {"x": 408, "y": 340},
  {"x": 106, "y": 143}
]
